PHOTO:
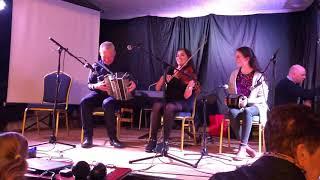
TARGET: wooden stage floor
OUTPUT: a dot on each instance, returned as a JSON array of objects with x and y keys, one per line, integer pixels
[{"x": 157, "y": 167}]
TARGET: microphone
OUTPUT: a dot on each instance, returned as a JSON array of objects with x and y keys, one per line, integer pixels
[
  {"x": 273, "y": 58},
  {"x": 131, "y": 47},
  {"x": 225, "y": 86}
]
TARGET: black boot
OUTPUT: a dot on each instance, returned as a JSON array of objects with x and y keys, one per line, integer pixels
[
  {"x": 151, "y": 145},
  {"x": 87, "y": 142},
  {"x": 162, "y": 147},
  {"x": 116, "y": 143}
]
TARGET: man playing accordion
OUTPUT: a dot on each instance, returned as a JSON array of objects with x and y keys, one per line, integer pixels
[{"x": 99, "y": 96}]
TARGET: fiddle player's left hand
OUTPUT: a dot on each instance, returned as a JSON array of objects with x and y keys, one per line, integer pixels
[
  {"x": 191, "y": 84},
  {"x": 132, "y": 86}
]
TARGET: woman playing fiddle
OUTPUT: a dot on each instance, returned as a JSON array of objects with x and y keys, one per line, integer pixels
[{"x": 179, "y": 96}]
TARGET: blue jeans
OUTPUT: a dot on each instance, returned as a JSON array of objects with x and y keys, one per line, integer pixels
[{"x": 246, "y": 115}]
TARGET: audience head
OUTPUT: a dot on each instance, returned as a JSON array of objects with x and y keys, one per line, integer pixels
[
  {"x": 13, "y": 154},
  {"x": 297, "y": 73},
  {"x": 246, "y": 57},
  {"x": 107, "y": 52},
  {"x": 294, "y": 130}
]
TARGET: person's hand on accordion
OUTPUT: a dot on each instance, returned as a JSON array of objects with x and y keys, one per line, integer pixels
[
  {"x": 102, "y": 86},
  {"x": 132, "y": 86},
  {"x": 244, "y": 102}
]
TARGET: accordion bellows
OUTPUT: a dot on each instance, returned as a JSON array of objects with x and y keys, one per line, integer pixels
[{"x": 119, "y": 82}]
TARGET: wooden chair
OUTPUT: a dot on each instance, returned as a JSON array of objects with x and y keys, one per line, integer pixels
[
  {"x": 49, "y": 99},
  {"x": 255, "y": 122},
  {"x": 119, "y": 119}
]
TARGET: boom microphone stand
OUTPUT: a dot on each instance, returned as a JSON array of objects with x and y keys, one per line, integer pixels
[
  {"x": 273, "y": 60},
  {"x": 53, "y": 138}
]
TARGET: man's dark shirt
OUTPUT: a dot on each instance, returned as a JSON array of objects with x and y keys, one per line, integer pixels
[
  {"x": 265, "y": 168},
  {"x": 287, "y": 92}
]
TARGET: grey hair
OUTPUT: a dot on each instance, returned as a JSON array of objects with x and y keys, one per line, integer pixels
[{"x": 107, "y": 45}]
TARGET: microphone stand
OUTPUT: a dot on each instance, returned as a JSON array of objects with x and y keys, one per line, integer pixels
[
  {"x": 53, "y": 138},
  {"x": 204, "y": 148},
  {"x": 273, "y": 60},
  {"x": 164, "y": 152}
]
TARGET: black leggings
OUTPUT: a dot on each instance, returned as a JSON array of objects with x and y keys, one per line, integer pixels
[{"x": 169, "y": 111}]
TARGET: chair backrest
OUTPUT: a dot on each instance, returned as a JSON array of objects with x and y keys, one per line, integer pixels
[{"x": 50, "y": 88}]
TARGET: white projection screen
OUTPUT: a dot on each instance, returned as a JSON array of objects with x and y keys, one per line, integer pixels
[{"x": 32, "y": 54}]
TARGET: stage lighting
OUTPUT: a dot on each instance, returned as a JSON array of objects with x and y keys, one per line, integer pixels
[{"x": 2, "y": 5}]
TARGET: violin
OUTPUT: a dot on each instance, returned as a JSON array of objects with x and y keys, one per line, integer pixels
[{"x": 186, "y": 74}]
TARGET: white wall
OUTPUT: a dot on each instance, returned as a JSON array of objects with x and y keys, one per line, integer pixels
[{"x": 33, "y": 55}]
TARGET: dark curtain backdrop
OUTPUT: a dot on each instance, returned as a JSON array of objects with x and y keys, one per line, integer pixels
[
  {"x": 5, "y": 39},
  {"x": 294, "y": 33}
]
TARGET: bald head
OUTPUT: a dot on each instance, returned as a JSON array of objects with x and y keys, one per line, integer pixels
[{"x": 297, "y": 73}]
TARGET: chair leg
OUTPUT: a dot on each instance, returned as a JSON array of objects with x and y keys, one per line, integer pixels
[
  {"x": 221, "y": 136},
  {"x": 140, "y": 118},
  {"x": 57, "y": 123},
  {"x": 81, "y": 136},
  {"x": 182, "y": 134},
  {"x": 260, "y": 137},
  {"x": 67, "y": 122},
  {"x": 24, "y": 121}
]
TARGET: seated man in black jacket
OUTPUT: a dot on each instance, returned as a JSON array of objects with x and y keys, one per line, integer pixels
[
  {"x": 293, "y": 147},
  {"x": 289, "y": 91},
  {"x": 99, "y": 96}
]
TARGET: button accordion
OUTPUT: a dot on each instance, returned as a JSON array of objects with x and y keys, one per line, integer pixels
[{"x": 119, "y": 83}]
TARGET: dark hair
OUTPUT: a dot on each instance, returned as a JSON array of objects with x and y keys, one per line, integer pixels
[
  {"x": 291, "y": 125},
  {"x": 253, "y": 62},
  {"x": 188, "y": 52}
]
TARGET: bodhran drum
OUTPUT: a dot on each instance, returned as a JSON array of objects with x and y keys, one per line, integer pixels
[
  {"x": 118, "y": 82},
  {"x": 236, "y": 101}
]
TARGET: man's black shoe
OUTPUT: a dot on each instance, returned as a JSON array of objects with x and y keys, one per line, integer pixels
[
  {"x": 116, "y": 143},
  {"x": 151, "y": 145},
  {"x": 87, "y": 142}
]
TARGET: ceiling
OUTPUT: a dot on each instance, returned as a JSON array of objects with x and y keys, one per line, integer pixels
[{"x": 127, "y": 9}]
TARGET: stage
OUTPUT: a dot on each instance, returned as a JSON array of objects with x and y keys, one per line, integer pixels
[{"x": 158, "y": 167}]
